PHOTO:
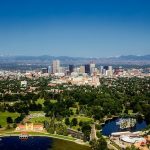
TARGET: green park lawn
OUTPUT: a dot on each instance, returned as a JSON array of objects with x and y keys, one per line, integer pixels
[
  {"x": 82, "y": 118},
  {"x": 39, "y": 119},
  {"x": 34, "y": 112},
  {"x": 4, "y": 115}
]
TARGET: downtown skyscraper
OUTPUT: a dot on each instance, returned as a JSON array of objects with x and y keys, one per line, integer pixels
[{"x": 55, "y": 66}]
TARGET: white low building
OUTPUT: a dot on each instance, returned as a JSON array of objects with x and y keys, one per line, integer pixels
[
  {"x": 132, "y": 140},
  {"x": 23, "y": 83}
]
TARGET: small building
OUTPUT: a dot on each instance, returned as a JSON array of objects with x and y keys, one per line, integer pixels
[
  {"x": 23, "y": 84},
  {"x": 30, "y": 127},
  {"x": 129, "y": 139}
]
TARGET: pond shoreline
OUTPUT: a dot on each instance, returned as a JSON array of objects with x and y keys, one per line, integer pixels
[
  {"x": 42, "y": 142},
  {"x": 111, "y": 126},
  {"x": 39, "y": 134}
]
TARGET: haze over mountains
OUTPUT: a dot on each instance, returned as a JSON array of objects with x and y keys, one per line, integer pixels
[{"x": 45, "y": 59}]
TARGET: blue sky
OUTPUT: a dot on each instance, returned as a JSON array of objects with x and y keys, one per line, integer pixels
[{"x": 89, "y": 28}]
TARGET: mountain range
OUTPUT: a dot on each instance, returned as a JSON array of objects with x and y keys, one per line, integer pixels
[{"x": 45, "y": 59}]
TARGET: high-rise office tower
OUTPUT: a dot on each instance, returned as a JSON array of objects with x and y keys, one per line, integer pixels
[
  {"x": 61, "y": 70},
  {"x": 71, "y": 68},
  {"x": 92, "y": 68},
  {"x": 110, "y": 68},
  {"x": 55, "y": 66},
  {"x": 49, "y": 69},
  {"x": 108, "y": 71},
  {"x": 82, "y": 69},
  {"x": 87, "y": 68},
  {"x": 106, "y": 67},
  {"x": 101, "y": 69},
  {"x": 92, "y": 65},
  {"x": 44, "y": 70}
]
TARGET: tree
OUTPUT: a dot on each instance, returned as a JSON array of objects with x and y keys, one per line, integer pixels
[
  {"x": 60, "y": 129},
  {"x": 8, "y": 127},
  {"x": 86, "y": 129},
  {"x": 80, "y": 123},
  {"x": 99, "y": 144},
  {"x": 9, "y": 120},
  {"x": 20, "y": 118},
  {"x": 14, "y": 125},
  {"x": 74, "y": 122},
  {"x": 77, "y": 111},
  {"x": 67, "y": 121},
  {"x": 137, "y": 108}
]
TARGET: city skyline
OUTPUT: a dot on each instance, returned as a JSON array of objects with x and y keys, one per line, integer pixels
[{"x": 75, "y": 28}]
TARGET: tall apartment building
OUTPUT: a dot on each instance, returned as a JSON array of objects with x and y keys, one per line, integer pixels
[{"x": 55, "y": 66}]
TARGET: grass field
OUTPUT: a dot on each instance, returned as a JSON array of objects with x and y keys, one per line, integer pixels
[
  {"x": 39, "y": 119},
  {"x": 33, "y": 112},
  {"x": 82, "y": 118},
  {"x": 4, "y": 115}
]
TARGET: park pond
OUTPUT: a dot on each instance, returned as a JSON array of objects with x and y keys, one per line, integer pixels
[
  {"x": 38, "y": 143},
  {"x": 111, "y": 126}
]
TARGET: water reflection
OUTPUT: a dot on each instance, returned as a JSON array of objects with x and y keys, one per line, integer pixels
[
  {"x": 33, "y": 143},
  {"x": 111, "y": 126}
]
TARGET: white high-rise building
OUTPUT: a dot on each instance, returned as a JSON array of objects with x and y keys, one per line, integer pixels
[
  {"x": 110, "y": 70},
  {"x": 55, "y": 66},
  {"x": 92, "y": 65},
  {"x": 92, "y": 68},
  {"x": 49, "y": 69}
]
